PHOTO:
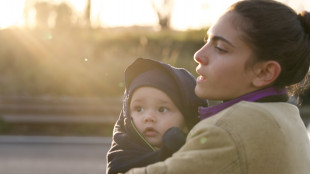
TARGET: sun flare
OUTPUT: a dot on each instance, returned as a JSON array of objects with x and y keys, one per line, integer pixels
[
  {"x": 114, "y": 13},
  {"x": 11, "y": 13}
]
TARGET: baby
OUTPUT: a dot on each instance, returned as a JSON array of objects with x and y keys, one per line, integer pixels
[{"x": 159, "y": 108}]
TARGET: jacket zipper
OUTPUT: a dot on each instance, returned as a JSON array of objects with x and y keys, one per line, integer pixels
[{"x": 141, "y": 136}]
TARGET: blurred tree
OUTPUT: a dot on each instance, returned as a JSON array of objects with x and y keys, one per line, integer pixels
[
  {"x": 163, "y": 9},
  {"x": 26, "y": 13},
  {"x": 43, "y": 14},
  {"x": 88, "y": 13},
  {"x": 63, "y": 18}
]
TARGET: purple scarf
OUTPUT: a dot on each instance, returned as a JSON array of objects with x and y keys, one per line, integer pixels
[{"x": 206, "y": 112}]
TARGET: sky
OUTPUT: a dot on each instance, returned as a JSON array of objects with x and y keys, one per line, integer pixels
[{"x": 186, "y": 14}]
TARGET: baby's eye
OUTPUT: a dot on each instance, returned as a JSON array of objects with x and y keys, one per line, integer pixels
[
  {"x": 163, "y": 109},
  {"x": 138, "y": 109}
]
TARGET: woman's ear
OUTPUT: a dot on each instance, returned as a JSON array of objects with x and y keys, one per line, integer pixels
[{"x": 266, "y": 73}]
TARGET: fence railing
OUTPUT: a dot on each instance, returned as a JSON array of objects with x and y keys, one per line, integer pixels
[
  {"x": 60, "y": 109},
  {"x": 70, "y": 110}
]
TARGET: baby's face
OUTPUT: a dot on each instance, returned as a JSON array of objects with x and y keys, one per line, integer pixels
[{"x": 153, "y": 113}]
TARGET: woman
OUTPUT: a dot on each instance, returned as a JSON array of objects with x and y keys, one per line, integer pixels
[{"x": 256, "y": 54}]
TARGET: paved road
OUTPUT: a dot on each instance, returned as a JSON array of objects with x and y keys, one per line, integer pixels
[
  {"x": 50, "y": 155},
  {"x": 54, "y": 155}
]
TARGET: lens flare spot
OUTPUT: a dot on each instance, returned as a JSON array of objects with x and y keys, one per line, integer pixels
[
  {"x": 86, "y": 59},
  {"x": 203, "y": 140},
  {"x": 50, "y": 37},
  {"x": 120, "y": 84}
]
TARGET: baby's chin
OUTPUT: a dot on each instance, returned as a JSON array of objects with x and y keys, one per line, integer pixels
[{"x": 155, "y": 145}]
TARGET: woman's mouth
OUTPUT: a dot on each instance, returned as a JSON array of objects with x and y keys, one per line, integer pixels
[{"x": 201, "y": 79}]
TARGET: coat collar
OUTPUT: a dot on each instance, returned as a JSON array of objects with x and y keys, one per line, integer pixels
[{"x": 206, "y": 112}]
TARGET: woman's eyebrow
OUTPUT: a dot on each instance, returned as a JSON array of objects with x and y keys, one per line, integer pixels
[{"x": 216, "y": 38}]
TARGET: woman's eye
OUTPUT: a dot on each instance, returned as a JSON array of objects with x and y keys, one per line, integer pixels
[
  {"x": 206, "y": 40},
  {"x": 162, "y": 109},
  {"x": 220, "y": 50}
]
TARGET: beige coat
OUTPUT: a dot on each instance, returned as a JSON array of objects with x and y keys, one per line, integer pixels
[{"x": 247, "y": 138}]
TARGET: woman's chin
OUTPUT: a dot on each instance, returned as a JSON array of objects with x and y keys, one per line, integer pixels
[{"x": 199, "y": 91}]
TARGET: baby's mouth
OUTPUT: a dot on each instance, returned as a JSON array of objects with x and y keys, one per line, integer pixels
[{"x": 150, "y": 132}]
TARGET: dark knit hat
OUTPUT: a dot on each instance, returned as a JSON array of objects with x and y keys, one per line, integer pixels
[
  {"x": 177, "y": 83},
  {"x": 160, "y": 80}
]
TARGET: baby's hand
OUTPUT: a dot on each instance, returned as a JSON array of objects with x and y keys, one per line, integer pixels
[{"x": 173, "y": 140}]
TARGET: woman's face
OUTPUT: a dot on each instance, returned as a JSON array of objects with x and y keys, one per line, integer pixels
[{"x": 221, "y": 69}]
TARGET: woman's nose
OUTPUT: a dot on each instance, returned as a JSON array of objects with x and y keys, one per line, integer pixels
[{"x": 200, "y": 56}]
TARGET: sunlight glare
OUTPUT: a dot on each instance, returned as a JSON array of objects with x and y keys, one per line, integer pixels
[
  {"x": 11, "y": 13},
  {"x": 197, "y": 13},
  {"x": 186, "y": 14},
  {"x": 126, "y": 13}
]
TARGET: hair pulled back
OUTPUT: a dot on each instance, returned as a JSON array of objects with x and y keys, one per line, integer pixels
[
  {"x": 304, "y": 18},
  {"x": 276, "y": 32}
]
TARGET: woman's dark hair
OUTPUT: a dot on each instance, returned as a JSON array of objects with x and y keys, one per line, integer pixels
[{"x": 277, "y": 32}]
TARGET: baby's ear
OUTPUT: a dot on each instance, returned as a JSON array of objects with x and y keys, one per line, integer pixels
[{"x": 266, "y": 73}]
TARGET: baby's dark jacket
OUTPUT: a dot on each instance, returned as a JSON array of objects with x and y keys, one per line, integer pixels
[{"x": 128, "y": 150}]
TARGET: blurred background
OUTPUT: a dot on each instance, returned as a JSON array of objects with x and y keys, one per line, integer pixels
[{"x": 62, "y": 62}]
